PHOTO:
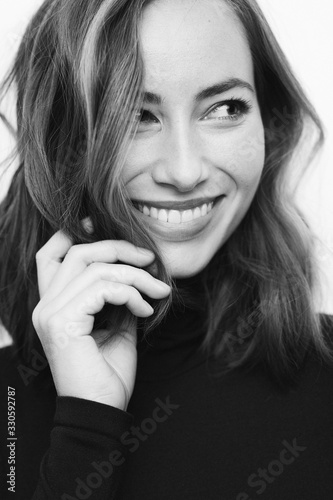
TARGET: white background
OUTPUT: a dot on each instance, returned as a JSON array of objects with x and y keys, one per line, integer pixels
[{"x": 304, "y": 29}]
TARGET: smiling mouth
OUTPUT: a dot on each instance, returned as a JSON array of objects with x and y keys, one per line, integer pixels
[{"x": 175, "y": 216}]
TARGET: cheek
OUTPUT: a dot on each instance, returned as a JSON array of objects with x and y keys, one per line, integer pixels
[
  {"x": 140, "y": 158},
  {"x": 241, "y": 156}
]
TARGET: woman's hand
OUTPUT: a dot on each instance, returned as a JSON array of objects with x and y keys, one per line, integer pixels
[{"x": 74, "y": 283}]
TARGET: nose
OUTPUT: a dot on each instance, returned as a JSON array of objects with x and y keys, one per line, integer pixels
[{"x": 181, "y": 163}]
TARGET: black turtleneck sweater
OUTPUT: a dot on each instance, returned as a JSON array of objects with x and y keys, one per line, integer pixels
[{"x": 187, "y": 433}]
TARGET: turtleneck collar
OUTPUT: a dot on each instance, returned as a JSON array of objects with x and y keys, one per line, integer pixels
[
  {"x": 173, "y": 347},
  {"x": 184, "y": 321}
]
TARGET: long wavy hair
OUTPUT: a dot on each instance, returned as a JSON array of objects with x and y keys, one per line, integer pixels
[{"x": 78, "y": 75}]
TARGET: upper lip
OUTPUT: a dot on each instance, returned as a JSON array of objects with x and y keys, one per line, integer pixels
[{"x": 176, "y": 205}]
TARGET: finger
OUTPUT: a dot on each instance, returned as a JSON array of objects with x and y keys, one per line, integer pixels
[
  {"x": 49, "y": 259},
  {"x": 79, "y": 257},
  {"x": 76, "y": 317},
  {"x": 117, "y": 294},
  {"x": 117, "y": 273},
  {"x": 51, "y": 255},
  {"x": 59, "y": 261},
  {"x": 88, "y": 225},
  {"x": 128, "y": 275}
]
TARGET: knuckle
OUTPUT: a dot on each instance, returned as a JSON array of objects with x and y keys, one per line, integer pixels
[
  {"x": 115, "y": 276},
  {"x": 114, "y": 286},
  {"x": 50, "y": 323},
  {"x": 47, "y": 321},
  {"x": 118, "y": 273},
  {"x": 40, "y": 255},
  {"x": 134, "y": 293},
  {"x": 73, "y": 252},
  {"x": 38, "y": 315},
  {"x": 143, "y": 274},
  {"x": 110, "y": 246},
  {"x": 96, "y": 268},
  {"x": 72, "y": 328},
  {"x": 95, "y": 300},
  {"x": 102, "y": 247},
  {"x": 35, "y": 316},
  {"x": 108, "y": 271},
  {"x": 101, "y": 294},
  {"x": 107, "y": 244}
]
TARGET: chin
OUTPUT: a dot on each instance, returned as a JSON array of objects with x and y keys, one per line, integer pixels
[
  {"x": 183, "y": 272},
  {"x": 186, "y": 264}
]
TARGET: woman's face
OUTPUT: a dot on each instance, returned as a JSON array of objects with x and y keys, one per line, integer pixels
[{"x": 197, "y": 157}]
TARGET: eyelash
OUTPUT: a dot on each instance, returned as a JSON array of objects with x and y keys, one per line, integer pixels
[{"x": 243, "y": 105}]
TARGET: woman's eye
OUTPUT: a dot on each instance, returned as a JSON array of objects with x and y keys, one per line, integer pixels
[
  {"x": 231, "y": 110},
  {"x": 145, "y": 117}
]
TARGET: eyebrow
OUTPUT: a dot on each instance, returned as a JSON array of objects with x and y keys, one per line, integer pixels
[{"x": 213, "y": 90}]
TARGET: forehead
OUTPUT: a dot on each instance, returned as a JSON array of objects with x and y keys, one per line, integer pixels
[{"x": 191, "y": 43}]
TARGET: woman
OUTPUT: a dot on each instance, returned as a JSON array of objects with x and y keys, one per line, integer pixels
[{"x": 156, "y": 276}]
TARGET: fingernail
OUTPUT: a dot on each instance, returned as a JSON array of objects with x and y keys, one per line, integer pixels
[
  {"x": 87, "y": 224},
  {"x": 163, "y": 285},
  {"x": 146, "y": 252},
  {"x": 149, "y": 308}
]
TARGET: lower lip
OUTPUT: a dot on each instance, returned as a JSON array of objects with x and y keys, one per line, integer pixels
[{"x": 184, "y": 231}]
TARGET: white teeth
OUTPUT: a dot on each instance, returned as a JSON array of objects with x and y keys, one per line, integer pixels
[
  {"x": 197, "y": 213},
  {"x": 163, "y": 215},
  {"x": 175, "y": 216},
  {"x": 187, "y": 215},
  {"x": 154, "y": 213}
]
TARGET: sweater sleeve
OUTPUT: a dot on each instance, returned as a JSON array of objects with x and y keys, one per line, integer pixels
[{"x": 86, "y": 456}]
